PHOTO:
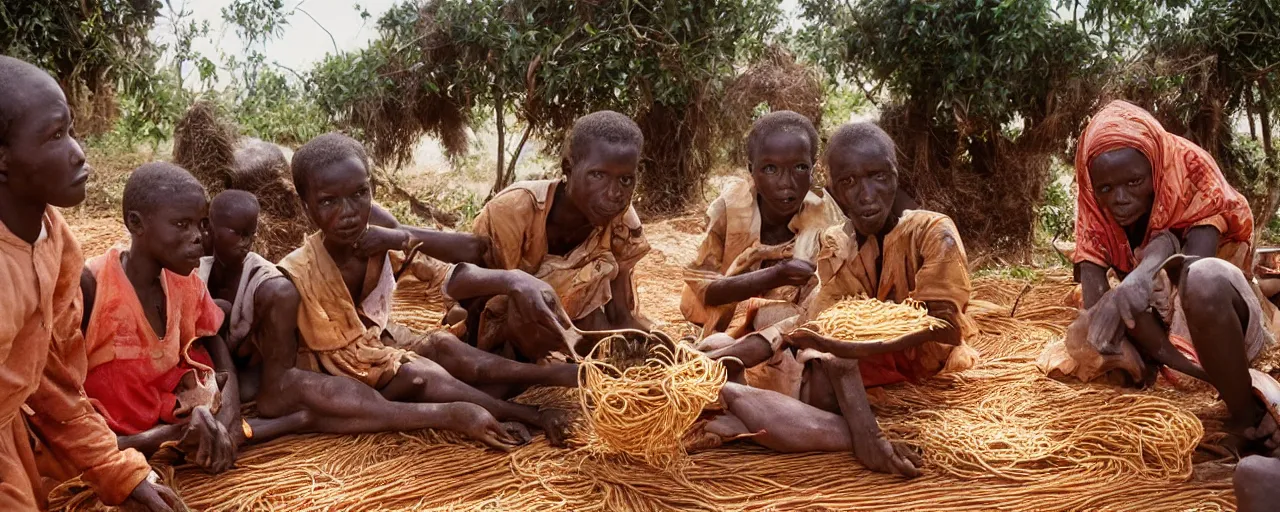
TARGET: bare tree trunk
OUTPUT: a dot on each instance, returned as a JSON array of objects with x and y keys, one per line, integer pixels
[
  {"x": 1268, "y": 209},
  {"x": 515, "y": 155},
  {"x": 500, "y": 175},
  {"x": 1248, "y": 112}
]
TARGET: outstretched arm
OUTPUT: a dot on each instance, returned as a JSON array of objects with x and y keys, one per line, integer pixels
[
  {"x": 948, "y": 335},
  {"x": 445, "y": 246}
]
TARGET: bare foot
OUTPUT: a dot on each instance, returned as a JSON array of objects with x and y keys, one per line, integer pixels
[
  {"x": 879, "y": 455},
  {"x": 555, "y": 423}
]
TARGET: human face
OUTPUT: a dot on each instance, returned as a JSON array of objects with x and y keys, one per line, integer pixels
[
  {"x": 39, "y": 159},
  {"x": 864, "y": 183},
  {"x": 602, "y": 182},
  {"x": 782, "y": 169},
  {"x": 233, "y": 231},
  {"x": 339, "y": 199},
  {"x": 171, "y": 234},
  {"x": 1122, "y": 184}
]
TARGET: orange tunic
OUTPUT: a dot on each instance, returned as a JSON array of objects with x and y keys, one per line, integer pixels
[
  {"x": 921, "y": 258},
  {"x": 515, "y": 222},
  {"x": 135, "y": 377},
  {"x": 733, "y": 243},
  {"x": 1190, "y": 191},
  {"x": 338, "y": 337},
  {"x": 42, "y": 361}
]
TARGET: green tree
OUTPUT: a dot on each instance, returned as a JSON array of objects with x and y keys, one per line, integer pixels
[
  {"x": 94, "y": 48},
  {"x": 977, "y": 94},
  {"x": 1205, "y": 64},
  {"x": 547, "y": 62}
]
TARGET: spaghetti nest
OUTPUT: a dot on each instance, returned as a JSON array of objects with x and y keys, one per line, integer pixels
[
  {"x": 640, "y": 397},
  {"x": 865, "y": 320}
]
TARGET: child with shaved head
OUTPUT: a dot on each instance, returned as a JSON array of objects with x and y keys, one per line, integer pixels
[
  {"x": 41, "y": 347},
  {"x": 579, "y": 234},
  {"x": 245, "y": 283},
  {"x": 151, "y": 327},
  {"x": 755, "y": 266},
  {"x": 332, "y": 313},
  {"x": 880, "y": 251}
]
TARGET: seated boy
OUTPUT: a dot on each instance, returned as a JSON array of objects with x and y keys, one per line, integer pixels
[
  {"x": 886, "y": 253},
  {"x": 1155, "y": 209},
  {"x": 755, "y": 266},
  {"x": 151, "y": 327},
  {"x": 41, "y": 348},
  {"x": 339, "y": 289},
  {"x": 246, "y": 284},
  {"x": 579, "y": 234}
]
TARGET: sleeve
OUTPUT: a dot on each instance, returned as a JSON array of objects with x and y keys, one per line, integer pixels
[
  {"x": 944, "y": 274},
  {"x": 62, "y": 413},
  {"x": 705, "y": 267},
  {"x": 500, "y": 222},
  {"x": 1090, "y": 236}
]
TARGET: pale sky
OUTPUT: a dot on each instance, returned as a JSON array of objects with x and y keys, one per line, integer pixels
[{"x": 304, "y": 42}]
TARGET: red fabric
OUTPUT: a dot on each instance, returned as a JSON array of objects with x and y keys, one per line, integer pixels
[
  {"x": 133, "y": 374},
  {"x": 130, "y": 402},
  {"x": 890, "y": 368},
  {"x": 1190, "y": 188}
]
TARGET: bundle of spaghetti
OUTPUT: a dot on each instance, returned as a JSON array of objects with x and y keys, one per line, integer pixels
[
  {"x": 862, "y": 319},
  {"x": 639, "y": 401}
]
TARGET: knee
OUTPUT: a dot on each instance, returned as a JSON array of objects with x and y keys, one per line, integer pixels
[
  {"x": 714, "y": 342},
  {"x": 1208, "y": 289},
  {"x": 1253, "y": 481}
]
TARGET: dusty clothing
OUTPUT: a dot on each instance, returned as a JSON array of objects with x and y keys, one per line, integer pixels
[
  {"x": 337, "y": 337},
  {"x": 137, "y": 379},
  {"x": 42, "y": 366},
  {"x": 921, "y": 258},
  {"x": 257, "y": 270},
  {"x": 1190, "y": 191},
  {"x": 515, "y": 222},
  {"x": 733, "y": 242},
  {"x": 1074, "y": 356}
]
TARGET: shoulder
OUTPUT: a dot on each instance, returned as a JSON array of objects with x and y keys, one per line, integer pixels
[
  {"x": 379, "y": 216},
  {"x": 933, "y": 229},
  {"x": 277, "y": 292}
]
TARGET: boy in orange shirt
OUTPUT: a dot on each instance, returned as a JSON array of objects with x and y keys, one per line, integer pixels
[{"x": 41, "y": 362}]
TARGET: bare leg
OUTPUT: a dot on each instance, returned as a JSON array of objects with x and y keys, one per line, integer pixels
[
  {"x": 425, "y": 381},
  {"x": 308, "y": 402},
  {"x": 475, "y": 366},
  {"x": 1255, "y": 484},
  {"x": 869, "y": 445},
  {"x": 788, "y": 425},
  {"x": 1217, "y": 316},
  {"x": 149, "y": 442},
  {"x": 752, "y": 349},
  {"x": 1153, "y": 339}
]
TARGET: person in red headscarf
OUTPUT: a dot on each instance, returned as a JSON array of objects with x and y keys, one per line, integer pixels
[{"x": 1154, "y": 210}]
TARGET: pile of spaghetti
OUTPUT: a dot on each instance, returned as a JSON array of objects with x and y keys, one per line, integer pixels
[
  {"x": 863, "y": 320},
  {"x": 640, "y": 397}
]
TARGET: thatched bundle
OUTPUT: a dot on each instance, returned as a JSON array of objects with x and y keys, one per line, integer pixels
[
  {"x": 777, "y": 80},
  {"x": 205, "y": 144}
]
